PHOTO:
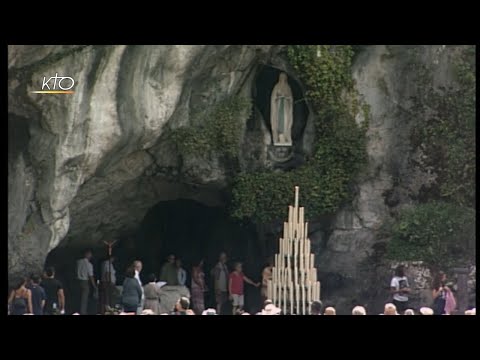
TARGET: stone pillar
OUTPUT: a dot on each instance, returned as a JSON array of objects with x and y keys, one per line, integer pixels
[{"x": 462, "y": 289}]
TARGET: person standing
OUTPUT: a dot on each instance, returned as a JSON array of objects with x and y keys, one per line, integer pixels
[
  {"x": 181, "y": 273},
  {"x": 266, "y": 276},
  {"x": 85, "y": 278},
  {"x": 152, "y": 295},
  {"x": 38, "y": 295},
  {"x": 400, "y": 289},
  {"x": 220, "y": 275},
  {"x": 132, "y": 292},
  {"x": 20, "y": 299},
  {"x": 198, "y": 288},
  {"x": 169, "y": 272},
  {"x": 109, "y": 281},
  {"x": 138, "y": 266},
  {"x": 235, "y": 287},
  {"x": 54, "y": 294},
  {"x": 440, "y": 292}
]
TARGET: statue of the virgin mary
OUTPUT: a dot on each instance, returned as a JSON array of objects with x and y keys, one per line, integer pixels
[{"x": 281, "y": 112}]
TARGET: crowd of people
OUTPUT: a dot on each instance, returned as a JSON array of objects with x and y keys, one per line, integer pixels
[{"x": 45, "y": 295}]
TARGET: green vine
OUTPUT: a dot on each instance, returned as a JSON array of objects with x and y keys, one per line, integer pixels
[
  {"x": 438, "y": 233},
  {"x": 441, "y": 231},
  {"x": 340, "y": 150},
  {"x": 446, "y": 131},
  {"x": 215, "y": 131}
]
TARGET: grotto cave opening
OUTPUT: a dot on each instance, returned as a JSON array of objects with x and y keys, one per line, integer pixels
[{"x": 186, "y": 228}]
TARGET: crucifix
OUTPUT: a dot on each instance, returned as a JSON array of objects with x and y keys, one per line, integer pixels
[{"x": 109, "y": 272}]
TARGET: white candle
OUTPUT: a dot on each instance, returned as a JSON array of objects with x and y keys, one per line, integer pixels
[
  {"x": 303, "y": 300},
  {"x": 296, "y": 196},
  {"x": 291, "y": 297},
  {"x": 297, "y": 299}
]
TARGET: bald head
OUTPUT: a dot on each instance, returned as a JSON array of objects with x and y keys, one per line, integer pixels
[{"x": 330, "y": 311}]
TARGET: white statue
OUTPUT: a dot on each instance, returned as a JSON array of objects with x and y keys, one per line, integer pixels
[{"x": 281, "y": 112}]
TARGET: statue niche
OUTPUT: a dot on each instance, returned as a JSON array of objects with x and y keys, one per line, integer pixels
[{"x": 281, "y": 112}]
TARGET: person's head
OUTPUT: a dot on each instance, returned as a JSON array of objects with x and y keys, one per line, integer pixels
[
  {"x": 171, "y": 259},
  {"x": 35, "y": 279},
  {"x": 178, "y": 263},
  {"x": 390, "y": 309},
  {"x": 400, "y": 271},
  {"x": 271, "y": 309},
  {"x": 152, "y": 278},
  {"x": 20, "y": 283},
  {"x": 439, "y": 279},
  {"x": 426, "y": 311},
  {"x": 50, "y": 272},
  {"x": 182, "y": 304},
  {"x": 209, "y": 312},
  {"x": 330, "y": 311},
  {"x": 222, "y": 258},
  {"x": 137, "y": 264},
  {"x": 130, "y": 273},
  {"x": 359, "y": 310},
  {"x": 238, "y": 266},
  {"x": 316, "y": 307},
  {"x": 282, "y": 78},
  {"x": 267, "y": 302},
  {"x": 88, "y": 254},
  {"x": 471, "y": 311},
  {"x": 409, "y": 312}
]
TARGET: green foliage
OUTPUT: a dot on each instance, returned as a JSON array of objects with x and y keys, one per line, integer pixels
[
  {"x": 215, "y": 131},
  {"x": 446, "y": 129},
  {"x": 437, "y": 233},
  {"x": 340, "y": 149}
]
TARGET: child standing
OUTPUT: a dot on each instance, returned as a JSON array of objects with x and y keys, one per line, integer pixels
[{"x": 235, "y": 287}]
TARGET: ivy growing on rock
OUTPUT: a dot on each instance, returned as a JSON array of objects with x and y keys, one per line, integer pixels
[
  {"x": 439, "y": 233},
  {"x": 340, "y": 150},
  {"x": 441, "y": 230},
  {"x": 445, "y": 132},
  {"x": 217, "y": 130}
]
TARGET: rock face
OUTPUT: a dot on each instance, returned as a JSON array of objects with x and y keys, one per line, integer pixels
[
  {"x": 88, "y": 166},
  {"x": 91, "y": 164}
]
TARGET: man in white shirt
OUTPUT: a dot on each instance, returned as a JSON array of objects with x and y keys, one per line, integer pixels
[
  {"x": 109, "y": 281},
  {"x": 400, "y": 288},
  {"x": 84, "y": 276},
  {"x": 137, "y": 264},
  {"x": 220, "y": 274}
]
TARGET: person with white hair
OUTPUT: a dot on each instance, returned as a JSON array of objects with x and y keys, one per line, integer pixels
[
  {"x": 409, "y": 312},
  {"x": 426, "y": 311},
  {"x": 209, "y": 311},
  {"x": 471, "y": 311},
  {"x": 330, "y": 311},
  {"x": 390, "y": 309},
  {"x": 271, "y": 309},
  {"x": 359, "y": 310}
]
